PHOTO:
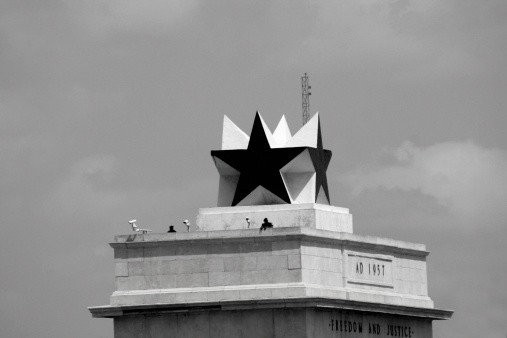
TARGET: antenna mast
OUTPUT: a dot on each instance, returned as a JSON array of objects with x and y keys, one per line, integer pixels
[{"x": 306, "y": 98}]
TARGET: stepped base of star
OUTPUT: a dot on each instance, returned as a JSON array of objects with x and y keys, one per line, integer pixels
[
  {"x": 308, "y": 276},
  {"x": 311, "y": 215}
]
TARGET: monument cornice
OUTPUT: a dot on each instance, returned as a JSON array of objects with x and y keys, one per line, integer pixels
[
  {"x": 348, "y": 240},
  {"x": 110, "y": 311}
]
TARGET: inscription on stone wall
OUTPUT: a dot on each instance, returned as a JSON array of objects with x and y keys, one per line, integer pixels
[
  {"x": 370, "y": 269},
  {"x": 371, "y": 328}
]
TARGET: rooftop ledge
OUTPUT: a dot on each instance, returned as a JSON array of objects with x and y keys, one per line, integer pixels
[{"x": 287, "y": 233}]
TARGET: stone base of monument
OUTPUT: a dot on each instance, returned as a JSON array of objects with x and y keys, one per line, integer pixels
[
  {"x": 308, "y": 276},
  {"x": 285, "y": 270},
  {"x": 292, "y": 320}
]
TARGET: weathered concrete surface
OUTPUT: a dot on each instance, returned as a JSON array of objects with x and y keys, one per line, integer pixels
[
  {"x": 280, "y": 263},
  {"x": 315, "y": 216}
]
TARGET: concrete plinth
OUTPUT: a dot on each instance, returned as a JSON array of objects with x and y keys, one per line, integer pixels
[
  {"x": 293, "y": 322},
  {"x": 312, "y": 279},
  {"x": 315, "y": 216}
]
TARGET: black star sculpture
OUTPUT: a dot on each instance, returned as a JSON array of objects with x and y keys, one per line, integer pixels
[{"x": 260, "y": 164}]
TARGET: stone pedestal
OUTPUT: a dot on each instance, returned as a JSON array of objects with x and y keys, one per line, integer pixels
[
  {"x": 302, "y": 280},
  {"x": 311, "y": 215},
  {"x": 292, "y": 321}
]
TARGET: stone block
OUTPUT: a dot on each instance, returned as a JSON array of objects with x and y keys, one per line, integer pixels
[
  {"x": 286, "y": 248},
  {"x": 258, "y": 324},
  {"x": 224, "y": 278},
  {"x": 248, "y": 233},
  {"x": 123, "y": 300},
  {"x": 321, "y": 263},
  {"x": 157, "y": 267},
  {"x": 166, "y": 281},
  {"x": 311, "y": 276},
  {"x": 130, "y": 283},
  {"x": 423, "y": 288},
  {"x": 411, "y": 275},
  {"x": 190, "y": 297},
  {"x": 331, "y": 278},
  {"x": 223, "y": 295},
  {"x": 225, "y": 324},
  {"x": 245, "y": 294},
  {"x": 398, "y": 286},
  {"x": 164, "y": 298},
  {"x": 121, "y": 269},
  {"x": 420, "y": 288},
  {"x": 333, "y": 221},
  {"x": 158, "y": 326},
  {"x": 150, "y": 298},
  {"x": 403, "y": 261},
  {"x": 224, "y": 249},
  {"x": 135, "y": 254},
  {"x": 255, "y": 277},
  {"x": 188, "y": 236},
  {"x": 417, "y": 263},
  {"x": 320, "y": 292},
  {"x": 416, "y": 302},
  {"x": 331, "y": 264},
  {"x": 321, "y": 249},
  {"x": 366, "y": 297},
  {"x": 401, "y": 274},
  {"x": 151, "y": 253},
  {"x": 142, "y": 268},
  {"x": 207, "y": 264},
  {"x": 191, "y": 280},
  {"x": 193, "y": 325},
  {"x": 270, "y": 277},
  {"x": 191, "y": 251},
  {"x": 175, "y": 267},
  {"x": 240, "y": 263},
  {"x": 151, "y": 282},
  {"x": 120, "y": 253},
  {"x": 393, "y": 299},
  {"x": 294, "y": 261},
  {"x": 408, "y": 287},
  {"x": 290, "y": 323},
  {"x": 288, "y": 292},
  {"x": 272, "y": 263},
  {"x": 256, "y": 248},
  {"x": 126, "y": 327},
  {"x": 167, "y": 252}
]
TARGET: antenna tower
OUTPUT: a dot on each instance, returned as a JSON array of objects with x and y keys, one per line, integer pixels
[{"x": 306, "y": 98}]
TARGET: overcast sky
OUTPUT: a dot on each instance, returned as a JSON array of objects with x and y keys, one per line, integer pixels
[{"x": 109, "y": 110}]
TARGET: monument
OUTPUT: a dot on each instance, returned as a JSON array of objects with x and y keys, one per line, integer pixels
[{"x": 273, "y": 259}]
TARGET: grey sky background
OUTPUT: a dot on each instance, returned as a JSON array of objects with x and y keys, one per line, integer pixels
[{"x": 109, "y": 109}]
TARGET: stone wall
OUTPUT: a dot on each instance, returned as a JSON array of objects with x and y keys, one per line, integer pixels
[
  {"x": 278, "y": 263},
  {"x": 259, "y": 323}
]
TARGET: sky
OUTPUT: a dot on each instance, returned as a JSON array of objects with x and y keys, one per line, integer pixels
[{"x": 109, "y": 110}]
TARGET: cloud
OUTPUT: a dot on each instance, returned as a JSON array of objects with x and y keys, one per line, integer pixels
[
  {"x": 465, "y": 178},
  {"x": 87, "y": 186},
  {"x": 406, "y": 39},
  {"x": 344, "y": 32},
  {"x": 104, "y": 17}
]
